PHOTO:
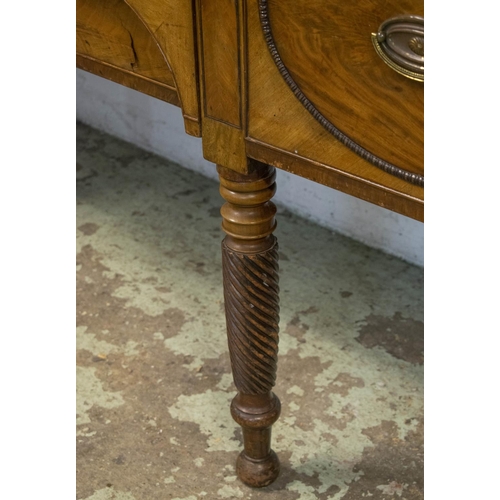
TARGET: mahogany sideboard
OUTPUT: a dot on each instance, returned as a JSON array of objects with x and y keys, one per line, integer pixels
[{"x": 331, "y": 91}]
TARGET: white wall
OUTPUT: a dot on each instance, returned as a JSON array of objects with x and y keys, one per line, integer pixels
[{"x": 158, "y": 127}]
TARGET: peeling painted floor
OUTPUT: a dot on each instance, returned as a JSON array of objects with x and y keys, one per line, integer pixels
[{"x": 153, "y": 372}]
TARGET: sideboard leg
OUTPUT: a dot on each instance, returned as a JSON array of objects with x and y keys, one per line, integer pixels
[{"x": 251, "y": 295}]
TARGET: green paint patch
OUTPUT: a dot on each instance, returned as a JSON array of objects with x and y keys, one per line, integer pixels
[
  {"x": 110, "y": 494},
  {"x": 210, "y": 411},
  {"x": 90, "y": 392},
  {"x": 230, "y": 492}
]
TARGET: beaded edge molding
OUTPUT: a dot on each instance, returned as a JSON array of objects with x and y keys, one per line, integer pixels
[{"x": 339, "y": 135}]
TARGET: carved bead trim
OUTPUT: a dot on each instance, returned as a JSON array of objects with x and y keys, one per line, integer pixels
[
  {"x": 339, "y": 135},
  {"x": 252, "y": 314}
]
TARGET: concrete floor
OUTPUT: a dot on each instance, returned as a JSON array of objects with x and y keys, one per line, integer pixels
[{"x": 153, "y": 372}]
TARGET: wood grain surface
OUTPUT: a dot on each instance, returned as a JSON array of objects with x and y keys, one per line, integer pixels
[
  {"x": 210, "y": 57},
  {"x": 281, "y": 132},
  {"x": 141, "y": 44},
  {"x": 110, "y": 32},
  {"x": 327, "y": 48},
  {"x": 172, "y": 23},
  {"x": 221, "y": 51},
  {"x": 220, "y": 61}
]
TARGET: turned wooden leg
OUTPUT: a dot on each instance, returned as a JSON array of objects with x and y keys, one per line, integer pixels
[{"x": 250, "y": 269}]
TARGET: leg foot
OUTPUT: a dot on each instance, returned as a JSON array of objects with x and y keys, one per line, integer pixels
[
  {"x": 257, "y": 465},
  {"x": 258, "y": 472}
]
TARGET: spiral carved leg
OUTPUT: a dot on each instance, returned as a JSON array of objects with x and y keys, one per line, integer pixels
[{"x": 251, "y": 294}]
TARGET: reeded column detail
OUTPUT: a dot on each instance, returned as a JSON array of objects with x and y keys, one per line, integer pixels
[{"x": 251, "y": 294}]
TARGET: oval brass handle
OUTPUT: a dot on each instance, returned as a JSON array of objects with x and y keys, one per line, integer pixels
[{"x": 399, "y": 41}]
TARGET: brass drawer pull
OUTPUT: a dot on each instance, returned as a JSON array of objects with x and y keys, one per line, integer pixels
[{"x": 399, "y": 41}]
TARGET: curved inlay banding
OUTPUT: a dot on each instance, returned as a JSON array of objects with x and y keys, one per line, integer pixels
[{"x": 338, "y": 134}]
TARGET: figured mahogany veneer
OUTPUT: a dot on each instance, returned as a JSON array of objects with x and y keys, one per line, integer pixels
[
  {"x": 146, "y": 45},
  {"x": 331, "y": 59},
  {"x": 269, "y": 83}
]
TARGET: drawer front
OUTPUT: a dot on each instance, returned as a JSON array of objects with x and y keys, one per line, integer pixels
[{"x": 327, "y": 50}]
